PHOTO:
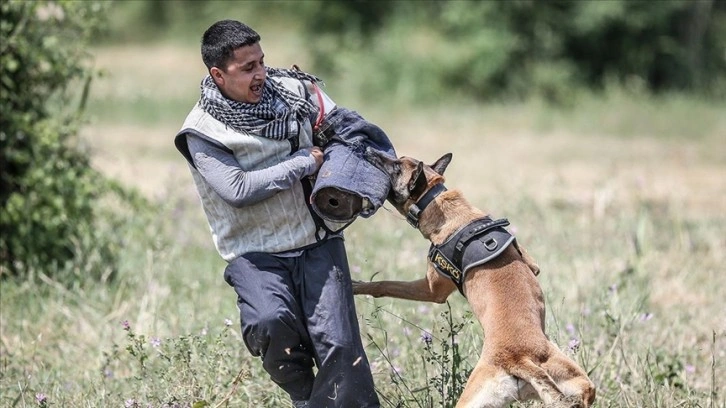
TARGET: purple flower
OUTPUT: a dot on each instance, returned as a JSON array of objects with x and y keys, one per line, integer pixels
[
  {"x": 130, "y": 403},
  {"x": 570, "y": 329},
  {"x": 646, "y": 316},
  {"x": 41, "y": 399},
  {"x": 427, "y": 338},
  {"x": 227, "y": 322},
  {"x": 574, "y": 344},
  {"x": 690, "y": 368},
  {"x": 126, "y": 326},
  {"x": 155, "y": 342}
]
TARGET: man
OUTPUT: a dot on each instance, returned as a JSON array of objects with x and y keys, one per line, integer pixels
[{"x": 250, "y": 145}]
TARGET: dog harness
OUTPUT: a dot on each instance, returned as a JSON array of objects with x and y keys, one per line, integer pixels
[{"x": 475, "y": 244}]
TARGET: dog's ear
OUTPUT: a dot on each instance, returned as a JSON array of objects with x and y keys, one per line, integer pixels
[
  {"x": 417, "y": 184},
  {"x": 442, "y": 163}
]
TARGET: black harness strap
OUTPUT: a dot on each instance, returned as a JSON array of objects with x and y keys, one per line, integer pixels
[
  {"x": 475, "y": 244},
  {"x": 474, "y": 230}
]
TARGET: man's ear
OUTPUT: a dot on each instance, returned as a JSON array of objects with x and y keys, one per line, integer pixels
[
  {"x": 216, "y": 75},
  {"x": 417, "y": 183},
  {"x": 442, "y": 163}
]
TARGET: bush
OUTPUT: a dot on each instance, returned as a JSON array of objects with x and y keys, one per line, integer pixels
[{"x": 49, "y": 193}]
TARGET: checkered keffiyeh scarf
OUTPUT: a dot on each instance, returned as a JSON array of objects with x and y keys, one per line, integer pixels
[{"x": 278, "y": 114}]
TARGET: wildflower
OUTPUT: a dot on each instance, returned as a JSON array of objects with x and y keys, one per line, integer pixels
[
  {"x": 646, "y": 316},
  {"x": 130, "y": 403},
  {"x": 613, "y": 288},
  {"x": 574, "y": 344},
  {"x": 155, "y": 342},
  {"x": 126, "y": 326},
  {"x": 41, "y": 399},
  {"x": 427, "y": 338},
  {"x": 227, "y": 322},
  {"x": 570, "y": 329},
  {"x": 690, "y": 368}
]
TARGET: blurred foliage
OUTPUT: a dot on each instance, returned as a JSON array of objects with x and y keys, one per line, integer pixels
[
  {"x": 523, "y": 47},
  {"x": 49, "y": 194},
  {"x": 488, "y": 49}
]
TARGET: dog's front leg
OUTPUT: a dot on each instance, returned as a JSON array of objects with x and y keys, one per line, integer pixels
[{"x": 432, "y": 288}]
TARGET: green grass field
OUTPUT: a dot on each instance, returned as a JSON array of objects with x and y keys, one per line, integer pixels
[{"x": 621, "y": 199}]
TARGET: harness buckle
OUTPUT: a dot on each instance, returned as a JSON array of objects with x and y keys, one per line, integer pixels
[
  {"x": 491, "y": 244},
  {"x": 412, "y": 215}
]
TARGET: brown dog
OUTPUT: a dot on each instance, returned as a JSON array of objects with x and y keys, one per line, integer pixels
[{"x": 518, "y": 361}]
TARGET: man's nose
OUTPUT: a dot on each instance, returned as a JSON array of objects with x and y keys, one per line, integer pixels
[{"x": 259, "y": 73}]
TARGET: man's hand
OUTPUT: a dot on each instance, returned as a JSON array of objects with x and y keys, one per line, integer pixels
[{"x": 317, "y": 153}]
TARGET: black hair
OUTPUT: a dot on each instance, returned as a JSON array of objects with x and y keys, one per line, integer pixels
[{"x": 222, "y": 38}]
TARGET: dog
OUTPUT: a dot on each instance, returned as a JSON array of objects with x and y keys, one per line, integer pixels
[{"x": 518, "y": 361}]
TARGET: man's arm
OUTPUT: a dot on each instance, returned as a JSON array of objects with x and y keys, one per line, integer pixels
[{"x": 240, "y": 188}]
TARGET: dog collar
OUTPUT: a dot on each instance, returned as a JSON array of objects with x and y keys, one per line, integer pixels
[{"x": 415, "y": 210}]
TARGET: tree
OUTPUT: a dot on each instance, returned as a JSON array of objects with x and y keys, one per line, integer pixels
[{"x": 49, "y": 193}]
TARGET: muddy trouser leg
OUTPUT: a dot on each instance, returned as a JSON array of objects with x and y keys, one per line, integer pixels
[
  {"x": 271, "y": 320},
  {"x": 344, "y": 378},
  {"x": 296, "y": 310}
]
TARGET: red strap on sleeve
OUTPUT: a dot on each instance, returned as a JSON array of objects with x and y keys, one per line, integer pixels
[{"x": 321, "y": 112}]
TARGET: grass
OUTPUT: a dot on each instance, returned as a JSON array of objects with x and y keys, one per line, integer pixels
[{"x": 620, "y": 199}]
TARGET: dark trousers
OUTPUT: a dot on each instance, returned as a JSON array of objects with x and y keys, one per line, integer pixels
[{"x": 298, "y": 311}]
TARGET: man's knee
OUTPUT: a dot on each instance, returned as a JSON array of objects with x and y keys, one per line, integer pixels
[{"x": 273, "y": 326}]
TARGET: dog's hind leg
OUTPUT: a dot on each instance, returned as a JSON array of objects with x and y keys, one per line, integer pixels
[
  {"x": 540, "y": 380},
  {"x": 489, "y": 386},
  {"x": 571, "y": 379}
]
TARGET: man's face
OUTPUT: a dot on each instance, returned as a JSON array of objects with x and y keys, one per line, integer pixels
[{"x": 243, "y": 77}]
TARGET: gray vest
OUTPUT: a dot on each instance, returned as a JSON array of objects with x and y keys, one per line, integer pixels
[{"x": 280, "y": 223}]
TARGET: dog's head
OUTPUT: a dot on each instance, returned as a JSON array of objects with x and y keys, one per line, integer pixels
[{"x": 410, "y": 178}]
